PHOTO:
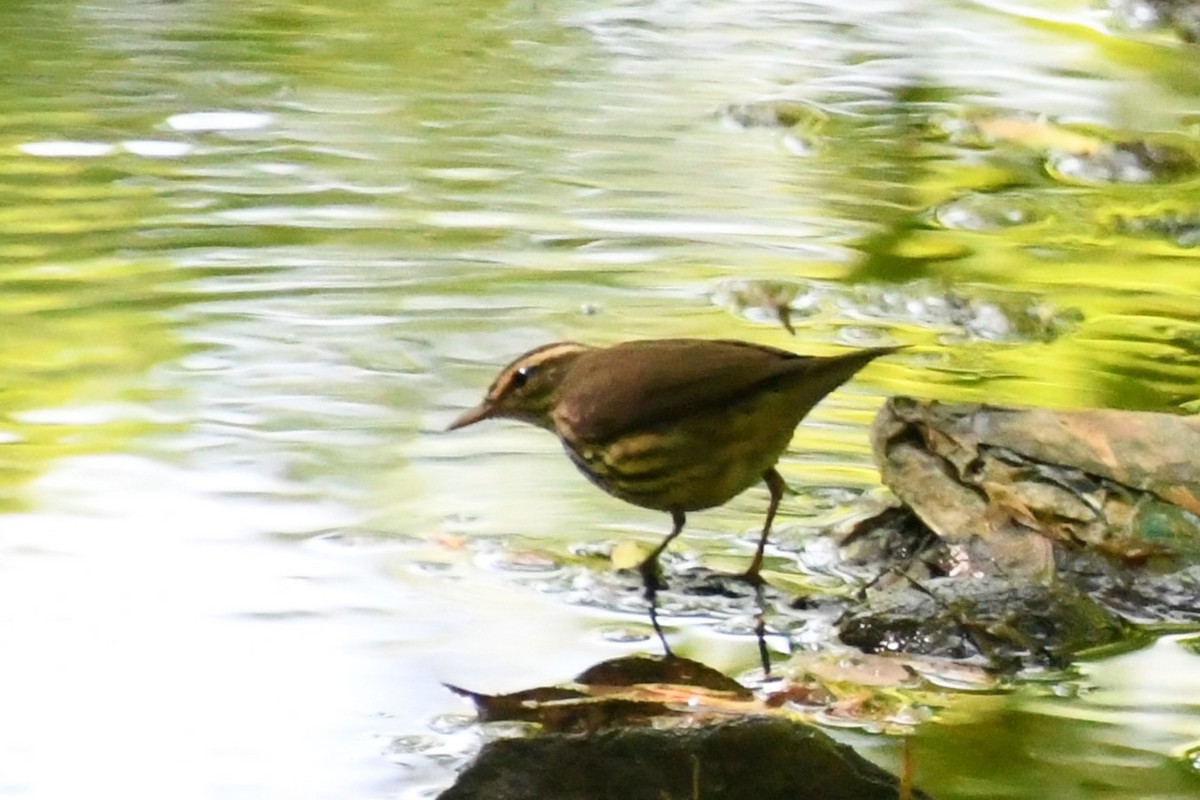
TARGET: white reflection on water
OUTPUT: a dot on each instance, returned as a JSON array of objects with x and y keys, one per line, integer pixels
[
  {"x": 145, "y": 652},
  {"x": 1150, "y": 698},
  {"x": 162, "y": 640},
  {"x": 204, "y": 121}
]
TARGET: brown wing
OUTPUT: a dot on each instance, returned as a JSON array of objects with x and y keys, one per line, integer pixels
[{"x": 638, "y": 384}]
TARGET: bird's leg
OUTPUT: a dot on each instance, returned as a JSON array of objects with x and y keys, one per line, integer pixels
[
  {"x": 650, "y": 580},
  {"x": 776, "y": 487}
]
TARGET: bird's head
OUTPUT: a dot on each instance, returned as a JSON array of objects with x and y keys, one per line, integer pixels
[{"x": 527, "y": 389}]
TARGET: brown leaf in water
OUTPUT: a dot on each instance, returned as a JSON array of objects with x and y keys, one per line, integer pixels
[{"x": 636, "y": 691}]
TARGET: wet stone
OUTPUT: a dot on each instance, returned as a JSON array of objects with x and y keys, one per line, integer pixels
[
  {"x": 1004, "y": 625},
  {"x": 754, "y": 759}
]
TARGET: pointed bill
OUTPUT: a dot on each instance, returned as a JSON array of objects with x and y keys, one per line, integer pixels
[{"x": 471, "y": 416}]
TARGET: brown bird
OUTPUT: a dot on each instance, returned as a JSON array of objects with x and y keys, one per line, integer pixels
[{"x": 673, "y": 425}]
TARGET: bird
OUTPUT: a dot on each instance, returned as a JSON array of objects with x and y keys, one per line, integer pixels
[{"x": 674, "y": 425}]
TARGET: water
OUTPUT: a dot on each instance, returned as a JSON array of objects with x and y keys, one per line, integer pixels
[{"x": 256, "y": 256}]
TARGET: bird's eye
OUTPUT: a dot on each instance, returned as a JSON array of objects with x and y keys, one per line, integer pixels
[{"x": 521, "y": 377}]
